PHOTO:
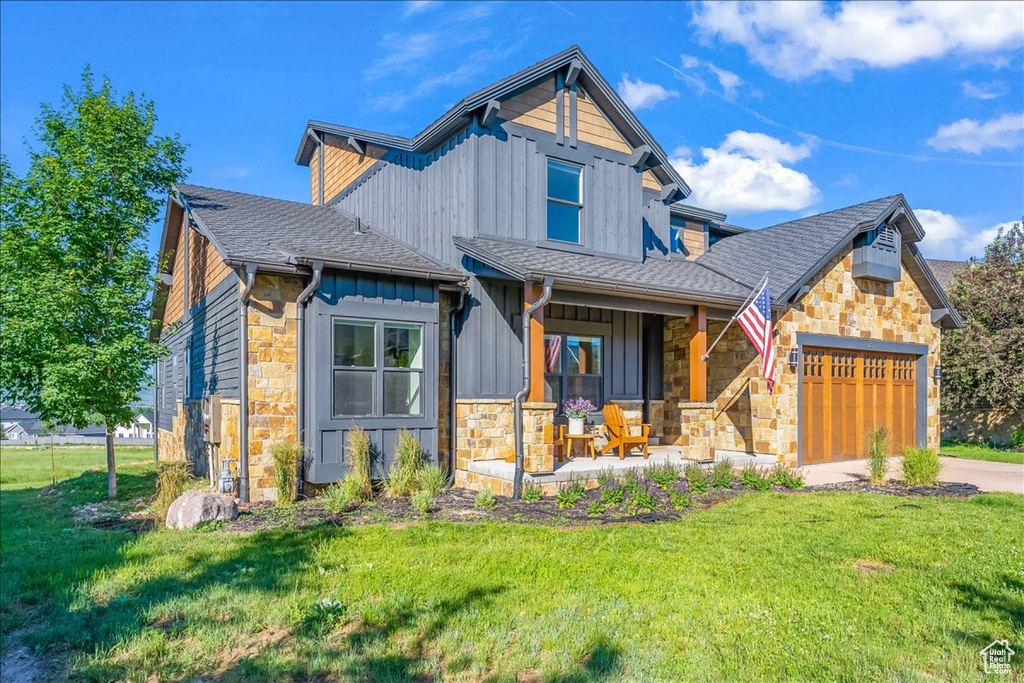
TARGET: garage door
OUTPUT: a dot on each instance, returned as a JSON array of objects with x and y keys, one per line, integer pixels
[{"x": 846, "y": 394}]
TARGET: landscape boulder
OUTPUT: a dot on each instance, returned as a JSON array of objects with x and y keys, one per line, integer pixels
[{"x": 193, "y": 508}]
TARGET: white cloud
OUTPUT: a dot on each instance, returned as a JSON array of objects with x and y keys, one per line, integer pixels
[
  {"x": 727, "y": 80},
  {"x": 947, "y": 238},
  {"x": 974, "y": 137},
  {"x": 746, "y": 174},
  {"x": 638, "y": 94},
  {"x": 798, "y": 39},
  {"x": 984, "y": 91},
  {"x": 417, "y": 7}
]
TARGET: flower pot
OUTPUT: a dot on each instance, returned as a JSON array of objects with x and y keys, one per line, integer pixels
[{"x": 576, "y": 426}]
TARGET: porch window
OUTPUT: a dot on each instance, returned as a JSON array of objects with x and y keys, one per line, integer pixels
[
  {"x": 573, "y": 367},
  {"x": 378, "y": 368},
  {"x": 565, "y": 201}
]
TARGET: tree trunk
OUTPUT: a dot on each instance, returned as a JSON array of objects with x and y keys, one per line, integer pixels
[{"x": 111, "y": 468}]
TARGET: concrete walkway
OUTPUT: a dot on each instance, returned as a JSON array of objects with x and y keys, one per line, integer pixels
[{"x": 987, "y": 476}]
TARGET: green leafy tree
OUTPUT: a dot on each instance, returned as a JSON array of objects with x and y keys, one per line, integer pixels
[
  {"x": 983, "y": 363},
  {"x": 76, "y": 282}
]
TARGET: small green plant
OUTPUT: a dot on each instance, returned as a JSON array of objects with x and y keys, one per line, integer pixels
[
  {"x": 595, "y": 509},
  {"x": 721, "y": 474},
  {"x": 484, "y": 499},
  {"x": 564, "y": 499},
  {"x": 605, "y": 475},
  {"x": 696, "y": 477},
  {"x": 643, "y": 500},
  {"x": 612, "y": 493},
  {"x": 1018, "y": 438},
  {"x": 404, "y": 472},
  {"x": 338, "y": 496},
  {"x": 921, "y": 466},
  {"x": 570, "y": 494},
  {"x": 422, "y": 501},
  {"x": 172, "y": 479},
  {"x": 663, "y": 475},
  {"x": 680, "y": 495},
  {"x": 879, "y": 448},
  {"x": 752, "y": 478},
  {"x": 631, "y": 481},
  {"x": 531, "y": 493},
  {"x": 781, "y": 475},
  {"x": 286, "y": 456},
  {"x": 431, "y": 479},
  {"x": 359, "y": 453}
]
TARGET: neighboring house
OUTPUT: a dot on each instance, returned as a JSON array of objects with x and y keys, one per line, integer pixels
[
  {"x": 141, "y": 427},
  {"x": 982, "y": 423},
  {"x": 13, "y": 431},
  {"x": 396, "y": 300},
  {"x": 32, "y": 426}
]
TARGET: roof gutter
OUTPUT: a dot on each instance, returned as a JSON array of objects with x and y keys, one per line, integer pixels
[
  {"x": 243, "y": 383},
  {"x": 545, "y": 297},
  {"x": 300, "y": 371},
  {"x": 364, "y": 266}
]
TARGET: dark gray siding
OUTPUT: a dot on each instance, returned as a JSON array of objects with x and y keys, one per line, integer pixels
[
  {"x": 490, "y": 359},
  {"x": 657, "y": 224},
  {"x": 621, "y": 332},
  {"x": 203, "y": 352},
  {"x": 348, "y": 295}
]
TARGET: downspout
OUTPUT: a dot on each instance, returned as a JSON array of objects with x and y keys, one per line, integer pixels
[
  {"x": 517, "y": 482},
  {"x": 300, "y": 384},
  {"x": 453, "y": 440},
  {"x": 243, "y": 384}
]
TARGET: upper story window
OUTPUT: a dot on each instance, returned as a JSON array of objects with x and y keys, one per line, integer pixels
[
  {"x": 565, "y": 201},
  {"x": 675, "y": 236}
]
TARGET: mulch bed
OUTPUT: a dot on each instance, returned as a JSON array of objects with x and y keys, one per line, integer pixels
[{"x": 895, "y": 488}]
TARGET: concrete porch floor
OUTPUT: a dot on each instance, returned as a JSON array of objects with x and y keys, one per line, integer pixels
[{"x": 583, "y": 467}]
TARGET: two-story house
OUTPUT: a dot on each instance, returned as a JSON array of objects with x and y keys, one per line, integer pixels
[{"x": 527, "y": 247}]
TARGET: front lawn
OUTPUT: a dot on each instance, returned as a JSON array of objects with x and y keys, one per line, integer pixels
[
  {"x": 981, "y": 451},
  {"x": 816, "y": 586},
  {"x": 22, "y": 466}
]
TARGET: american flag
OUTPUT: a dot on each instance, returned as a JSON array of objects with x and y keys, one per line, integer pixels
[{"x": 756, "y": 321}]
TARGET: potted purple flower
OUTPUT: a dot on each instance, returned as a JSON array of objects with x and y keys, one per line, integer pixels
[{"x": 577, "y": 409}]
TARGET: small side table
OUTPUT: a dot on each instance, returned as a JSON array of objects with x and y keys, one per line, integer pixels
[{"x": 588, "y": 441}]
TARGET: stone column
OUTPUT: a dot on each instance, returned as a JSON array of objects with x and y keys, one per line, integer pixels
[
  {"x": 538, "y": 453},
  {"x": 697, "y": 430}
]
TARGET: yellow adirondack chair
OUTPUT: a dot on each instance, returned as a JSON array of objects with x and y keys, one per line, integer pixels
[{"x": 618, "y": 432}]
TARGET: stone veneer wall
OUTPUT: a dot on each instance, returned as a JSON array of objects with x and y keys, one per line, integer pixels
[
  {"x": 273, "y": 349},
  {"x": 484, "y": 430},
  {"x": 185, "y": 439},
  {"x": 747, "y": 418}
]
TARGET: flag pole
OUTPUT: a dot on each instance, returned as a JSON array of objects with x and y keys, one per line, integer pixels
[{"x": 735, "y": 315}]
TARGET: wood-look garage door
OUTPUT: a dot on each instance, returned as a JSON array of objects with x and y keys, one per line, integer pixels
[{"x": 846, "y": 394}]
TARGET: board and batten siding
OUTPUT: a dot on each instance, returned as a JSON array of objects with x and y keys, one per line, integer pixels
[
  {"x": 203, "y": 352},
  {"x": 374, "y": 298},
  {"x": 490, "y": 360}
]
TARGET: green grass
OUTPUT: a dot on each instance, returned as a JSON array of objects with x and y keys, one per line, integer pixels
[
  {"x": 980, "y": 451},
  {"x": 29, "y": 466},
  {"x": 761, "y": 587}
]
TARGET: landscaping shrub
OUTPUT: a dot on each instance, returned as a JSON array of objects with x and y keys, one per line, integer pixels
[
  {"x": 431, "y": 479},
  {"x": 921, "y": 466},
  {"x": 752, "y": 478},
  {"x": 485, "y": 499},
  {"x": 570, "y": 494},
  {"x": 422, "y": 501},
  {"x": 359, "y": 454},
  {"x": 631, "y": 481},
  {"x": 612, "y": 493},
  {"x": 781, "y": 475},
  {"x": 879, "y": 448},
  {"x": 680, "y": 495},
  {"x": 595, "y": 509},
  {"x": 404, "y": 472},
  {"x": 335, "y": 497},
  {"x": 721, "y": 474},
  {"x": 172, "y": 479},
  {"x": 643, "y": 499},
  {"x": 286, "y": 456},
  {"x": 531, "y": 493},
  {"x": 605, "y": 475},
  {"x": 663, "y": 475},
  {"x": 697, "y": 478},
  {"x": 1018, "y": 438}
]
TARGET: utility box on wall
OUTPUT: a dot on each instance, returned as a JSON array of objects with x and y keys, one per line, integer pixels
[{"x": 211, "y": 419}]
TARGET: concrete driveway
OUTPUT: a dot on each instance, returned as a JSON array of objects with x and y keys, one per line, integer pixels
[{"x": 987, "y": 476}]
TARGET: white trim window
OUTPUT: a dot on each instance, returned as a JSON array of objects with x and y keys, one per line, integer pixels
[{"x": 565, "y": 202}]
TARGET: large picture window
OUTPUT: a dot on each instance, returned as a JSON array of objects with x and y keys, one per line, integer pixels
[
  {"x": 378, "y": 368},
  {"x": 573, "y": 367},
  {"x": 565, "y": 201}
]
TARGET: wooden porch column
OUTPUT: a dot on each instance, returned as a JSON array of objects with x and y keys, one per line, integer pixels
[
  {"x": 532, "y": 293},
  {"x": 698, "y": 347}
]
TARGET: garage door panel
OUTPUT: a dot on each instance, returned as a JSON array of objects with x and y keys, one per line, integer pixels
[{"x": 846, "y": 394}]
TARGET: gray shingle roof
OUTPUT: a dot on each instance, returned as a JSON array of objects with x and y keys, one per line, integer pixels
[
  {"x": 248, "y": 227},
  {"x": 673, "y": 277},
  {"x": 790, "y": 250},
  {"x": 944, "y": 270}
]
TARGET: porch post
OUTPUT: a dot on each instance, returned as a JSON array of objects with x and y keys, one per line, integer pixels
[
  {"x": 699, "y": 347},
  {"x": 531, "y": 294}
]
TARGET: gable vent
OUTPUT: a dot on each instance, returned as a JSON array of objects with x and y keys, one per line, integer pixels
[{"x": 876, "y": 254}]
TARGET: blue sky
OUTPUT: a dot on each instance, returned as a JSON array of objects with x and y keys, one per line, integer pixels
[{"x": 769, "y": 111}]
